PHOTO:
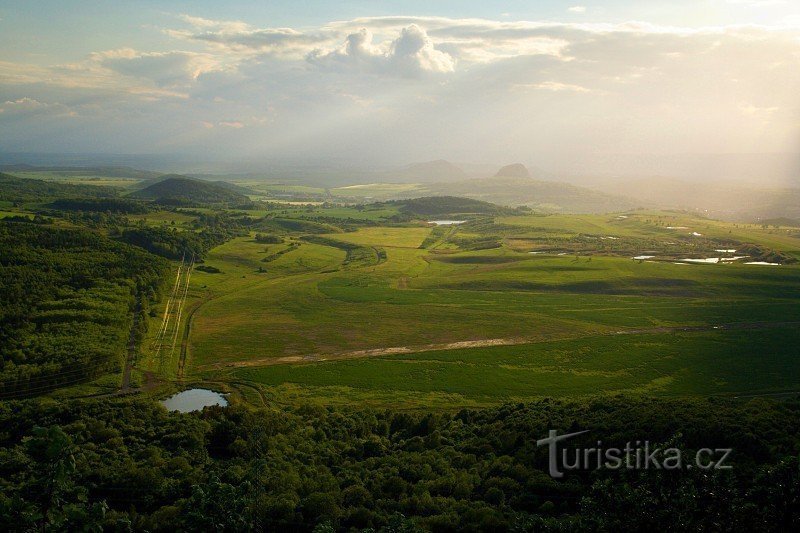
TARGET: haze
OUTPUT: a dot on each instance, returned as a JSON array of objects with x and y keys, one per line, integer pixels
[{"x": 560, "y": 85}]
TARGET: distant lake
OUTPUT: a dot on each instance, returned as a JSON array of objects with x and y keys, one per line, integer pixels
[
  {"x": 446, "y": 222},
  {"x": 194, "y": 400}
]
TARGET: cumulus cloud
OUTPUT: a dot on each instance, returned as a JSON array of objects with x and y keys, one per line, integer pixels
[
  {"x": 411, "y": 54},
  {"x": 605, "y": 85}
]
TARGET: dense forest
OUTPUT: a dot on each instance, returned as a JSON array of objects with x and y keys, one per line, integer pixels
[
  {"x": 130, "y": 465},
  {"x": 68, "y": 300},
  {"x": 103, "y": 205},
  {"x": 16, "y": 189}
]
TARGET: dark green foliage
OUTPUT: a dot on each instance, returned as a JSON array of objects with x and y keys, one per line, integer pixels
[
  {"x": 296, "y": 225},
  {"x": 268, "y": 239},
  {"x": 208, "y": 269},
  {"x": 447, "y": 205},
  {"x": 67, "y": 301},
  {"x": 334, "y": 469},
  {"x": 17, "y": 189},
  {"x": 175, "y": 244},
  {"x": 102, "y": 205},
  {"x": 761, "y": 253},
  {"x": 174, "y": 189}
]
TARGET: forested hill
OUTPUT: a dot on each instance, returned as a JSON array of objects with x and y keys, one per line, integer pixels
[
  {"x": 177, "y": 188},
  {"x": 16, "y": 189},
  {"x": 448, "y": 205},
  {"x": 68, "y": 298}
]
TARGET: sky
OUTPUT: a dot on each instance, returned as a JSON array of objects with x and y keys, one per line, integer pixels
[{"x": 394, "y": 82}]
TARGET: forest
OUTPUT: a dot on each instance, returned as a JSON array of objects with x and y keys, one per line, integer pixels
[
  {"x": 68, "y": 296},
  {"x": 129, "y": 465}
]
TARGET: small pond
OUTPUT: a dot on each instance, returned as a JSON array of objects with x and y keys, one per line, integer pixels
[{"x": 194, "y": 400}]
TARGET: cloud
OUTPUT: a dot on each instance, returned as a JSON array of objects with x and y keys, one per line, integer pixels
[
  {"x": 555, "y": 86},
  {"x": 26, "y": 106},
  {"x": 514, "y": 86},
  {"x": 577, "y": 9},
  {"x": 164, "y": 69},
  {"x": 411, "y": 54},
  {"x": 240, "y": 38}
]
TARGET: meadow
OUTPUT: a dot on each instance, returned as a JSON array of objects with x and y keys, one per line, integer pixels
[{"x": 447, "y": 325}]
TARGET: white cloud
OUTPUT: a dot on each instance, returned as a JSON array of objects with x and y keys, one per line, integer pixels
[
  {"x": 512, "y": 84},
  {"x": 164, "y": 69},
  {"x": 577, "y": 9},
  {"x": 242, "y": 39},
  {"x": 411, "y": 54}
]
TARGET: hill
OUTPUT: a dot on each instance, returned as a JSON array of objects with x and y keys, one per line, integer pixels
[
  {"x": 515, "y": 170},
  {"x": 14, "y": 189},
  {"x": 543, "y": 195},
  {"x": 447, "y": 205},
  {"x": 182, "y": 189}
]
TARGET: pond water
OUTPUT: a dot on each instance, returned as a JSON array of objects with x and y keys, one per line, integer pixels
[
  {"x": 194, "y": 400},
  {"x": 446, "y": 222},
  {"x": 639, "y": 257}
]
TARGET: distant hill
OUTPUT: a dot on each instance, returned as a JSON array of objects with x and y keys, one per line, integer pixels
[
  {"x": 731, "y": 200},
  {"x": 16, "y": 189},
  {"x": 66, "y": 171},
  {"x": 234, "y": 188},
  {"x": 428, "y": 172},
  {"x": 447, "y": 205},
  {"x": 183, "y": 189},
  {"x": 516, "y": 170},
  {"x": 548, "y": 196}
]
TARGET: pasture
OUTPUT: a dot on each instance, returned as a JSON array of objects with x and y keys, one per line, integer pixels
[{"x": 455, "y": 326}]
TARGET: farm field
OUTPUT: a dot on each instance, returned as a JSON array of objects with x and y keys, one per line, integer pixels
[{"x": 413, "y": 315}]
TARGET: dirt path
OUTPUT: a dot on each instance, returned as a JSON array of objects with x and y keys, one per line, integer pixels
[{"x": 480, "y": 343}]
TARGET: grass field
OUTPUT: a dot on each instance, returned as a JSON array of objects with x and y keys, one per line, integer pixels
[{"x": 453, "y": 326}]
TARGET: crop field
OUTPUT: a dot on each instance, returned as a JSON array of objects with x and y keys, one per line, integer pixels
[{"x": 377, "y": 314}]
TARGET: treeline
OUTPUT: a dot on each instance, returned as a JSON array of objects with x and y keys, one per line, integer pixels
[
  {"x": 129, "y": 465},
  {"x": 172, "y": 243},
  {"x": 17, "y": 189},
  {"x": 67, "y": 298},
  {"x": 356, "y": 254},
  {"x": 102, "y": 205}
]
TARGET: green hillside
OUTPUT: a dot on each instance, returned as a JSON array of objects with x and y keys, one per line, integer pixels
[
  {"x": 16, "y": 189},
  {"x": 182, "y": 189}
]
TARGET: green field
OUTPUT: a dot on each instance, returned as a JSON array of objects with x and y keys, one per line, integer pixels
[{"x": 381, "y": 316}]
